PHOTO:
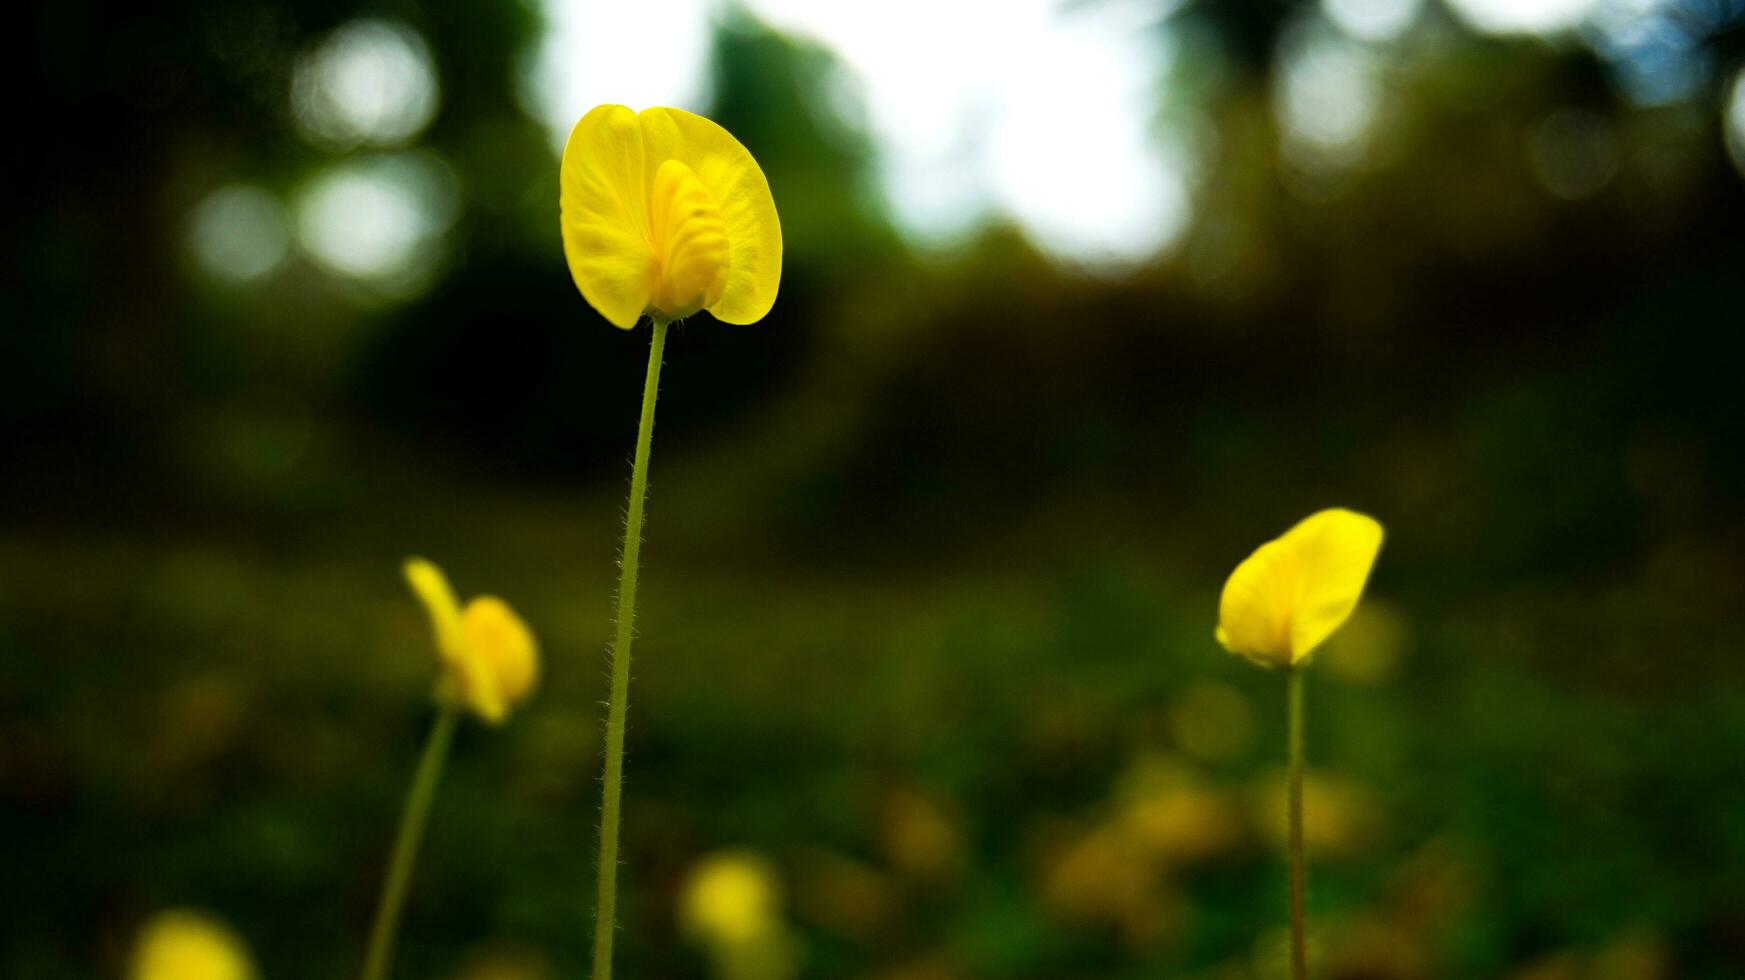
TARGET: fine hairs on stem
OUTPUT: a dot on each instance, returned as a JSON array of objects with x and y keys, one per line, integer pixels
[
  {"x": 605, "y": 909},
  {"x": 1299, "y": 873},
  {"x": 412, "y": 820}
]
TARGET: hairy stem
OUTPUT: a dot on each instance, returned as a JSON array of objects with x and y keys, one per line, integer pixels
[
  {"x": 605, "y": 909},
  {"x": 412, "y": 820}
]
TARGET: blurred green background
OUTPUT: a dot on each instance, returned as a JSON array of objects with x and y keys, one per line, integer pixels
[{"x": 934, "y": 550}]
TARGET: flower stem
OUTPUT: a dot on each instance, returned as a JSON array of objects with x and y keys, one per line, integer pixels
[
  {"x": 412, "y": 820},
  {"x": 605, "y": 910},
  {"x": 1299, "y": 873}
]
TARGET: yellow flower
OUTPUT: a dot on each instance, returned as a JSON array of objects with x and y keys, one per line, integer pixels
[
  {"x": 489, "y": 656},
  {"x": 732, "y": 905},
  {"x": 731, "y": 897},
  {"x": 665, "y": 213},
  {"x": 1293, "y": 592},
  {"x": 183, "y": 945}
]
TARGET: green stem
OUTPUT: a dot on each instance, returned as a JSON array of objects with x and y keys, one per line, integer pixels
[
  {"x": 1299, "y": 873},
  {"x": 412, "y": 820},
  {"x": 605, "y": 910}
]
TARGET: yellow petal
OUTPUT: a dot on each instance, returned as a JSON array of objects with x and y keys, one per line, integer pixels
[
  {"x": 464, "y": 669},
  {"x": 603, "y": 200},
  {"x": 506, "y": 648},
  {"x": 1292, "y": 593},
  {"x": 432, "y": 588},
  {"x": 1336, "y": 550},
  {"x": 742, "y": 196},
  {"x": 690, "y": 243},
  {"x": 1254, "y": 613}
]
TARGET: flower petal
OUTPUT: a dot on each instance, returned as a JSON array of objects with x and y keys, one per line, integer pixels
[
  {"x": 464, "y": 669},
  {"x": 1284, "y": 600},
  {"x": 742, "y": 194},
  {"x": 1254, "y": 613},
  {"x": 505, "y": 647},
  {"x": 603, "y": 200},
  {"x": 690, "y": 243},
  {"x": 1335, "y": 550},
  {"x": 432, "y": 588}
]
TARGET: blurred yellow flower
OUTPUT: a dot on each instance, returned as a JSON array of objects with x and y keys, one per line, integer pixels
[
  {"x": 732, "y": 904},
  {"x": 922, "y": 837},
  {"x": 180, "y": 945},
  {"x": 1172, "y": 814},
  {"x": 1342, "y": 816},
  {"x": 1105, "y": 876},
  {"x": 490, "y": 657},
  {"x": 731, "y": 897},
  {"x": 1368, "y": 650},
  {"x": 1293, "y": 592},
  {"x": 845, "y": 895},
  {"x": 664, "y": 213}
]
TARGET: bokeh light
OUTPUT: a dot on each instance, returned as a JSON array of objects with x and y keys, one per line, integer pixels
[
  {"x": 1372, "y": 20},
  {"x": 380, "y": 220},
  {"x": 1326, "y": 97},
  {"x": 582, "y": 59},
  {"x": 1733, "y": 120},
  {"x": 238, "y": 234},
  {"x": 1654, "y": 49},
  {"x": 1523, "y": 16},
  {"x": 981, "y": 134},
  {"x": 369, "y": 83}
]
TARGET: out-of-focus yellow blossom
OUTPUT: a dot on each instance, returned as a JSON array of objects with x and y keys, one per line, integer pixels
[
  {"x": 1631, "y": 956},
  {"x": 490, "y": 658},
  {"x": 844, "y": 895},
  {"x": 732, "y": 904},
  {"x": 664, "y": 213},
  {"x": 1173, "y": 815},
  {"x": 922, "y": 837},
  {"x": 1293, "y": 592},
  {"x": 1434, "y": 888},
  {"x": 730, "y": 897},
  {"x": 1376, "y": 946},
  {"x": 1341, "y": 816},
  {"x": 1106, "y": 876},
  {"x": 180, "y": 945},
  {"x": 1370, "y": 647}
]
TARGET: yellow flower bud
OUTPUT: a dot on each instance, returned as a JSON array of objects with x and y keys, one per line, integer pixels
[
  {"x": 490, "y": 658},
  {"x": 664, "y": 213},
  {"x": 1293, "y": 592},
  {"x": 183, "y": 945}
]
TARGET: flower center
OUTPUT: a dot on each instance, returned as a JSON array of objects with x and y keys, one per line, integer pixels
[{"x": 689, "y": 242}]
